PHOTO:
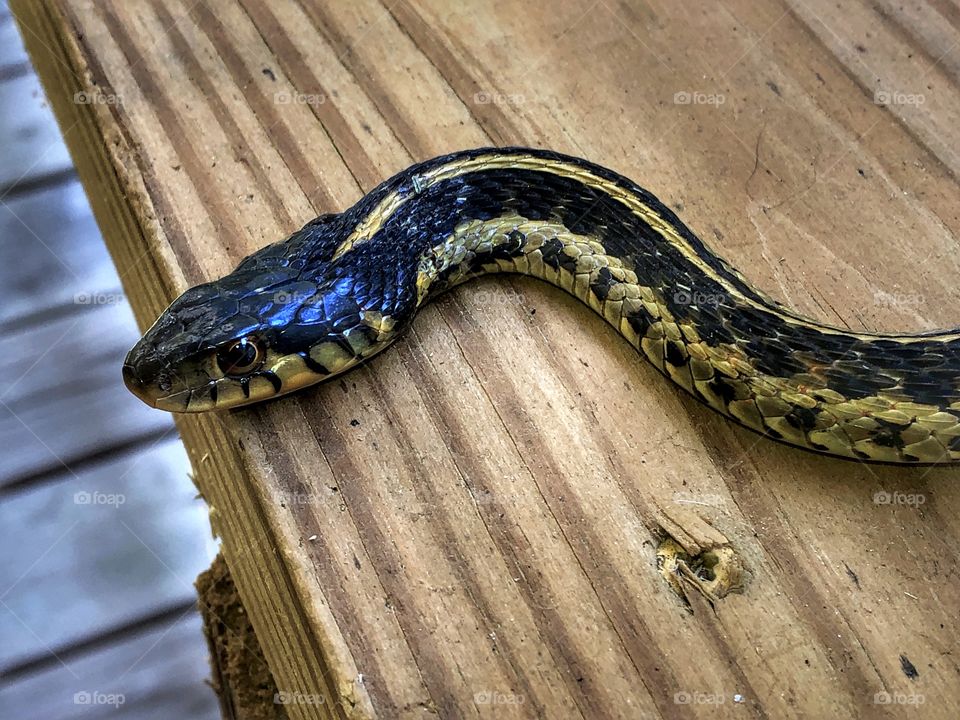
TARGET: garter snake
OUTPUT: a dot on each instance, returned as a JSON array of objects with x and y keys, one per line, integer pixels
[{"x": 346, "y": 285}]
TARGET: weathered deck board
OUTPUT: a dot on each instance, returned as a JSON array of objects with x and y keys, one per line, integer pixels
[
  {"x": 59, "y": 396},
  {"x": 468, "y": 525},
  {"x": 121, "y": 680},
  {"x": 98, "y": 551},
  {"x": 61, "y": 259},
  {"x": 12, "y": 52},
  {"x": 84, "y": 586},
  {"x": 35, "y": 147}
]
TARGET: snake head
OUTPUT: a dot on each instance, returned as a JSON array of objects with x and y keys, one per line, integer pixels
[
  {"x": 284, "y": 319},
  {"x": 202, "y": 339}
]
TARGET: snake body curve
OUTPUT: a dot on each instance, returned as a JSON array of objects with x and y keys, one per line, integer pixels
[{"x": 346, "y": 285}]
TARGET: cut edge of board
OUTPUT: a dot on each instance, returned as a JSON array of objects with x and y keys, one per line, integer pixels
[{"x": 302, "y": 654}]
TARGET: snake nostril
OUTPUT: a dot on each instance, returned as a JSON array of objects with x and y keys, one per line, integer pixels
[
  {"x": 130, "y": 377},
  {"x": 135, "y": 384}
]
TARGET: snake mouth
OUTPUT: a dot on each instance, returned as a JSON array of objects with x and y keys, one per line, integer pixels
[
  {"x": 148, "y": 392},
  {"x": 177, "y": 402},
  {"x": 137, "y": 386}
]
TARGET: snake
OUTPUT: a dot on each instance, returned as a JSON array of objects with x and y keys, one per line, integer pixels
[{"x": 347, "y": 285}]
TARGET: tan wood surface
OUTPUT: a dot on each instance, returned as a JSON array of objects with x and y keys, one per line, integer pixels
[
  {"x": 467, "y": 527},
  {"x": 102, "y": 532}
]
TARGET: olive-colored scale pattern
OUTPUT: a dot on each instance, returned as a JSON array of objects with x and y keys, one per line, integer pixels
[{"x": 799, "y": 411}]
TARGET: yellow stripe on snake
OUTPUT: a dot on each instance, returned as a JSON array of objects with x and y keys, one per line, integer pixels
[{"x": 346, "y": 285}]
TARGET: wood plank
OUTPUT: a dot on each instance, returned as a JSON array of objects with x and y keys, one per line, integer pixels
[
  {"x": 78, "y": 571},
  {"x": 241, "y": 676},
  {"x": 481, "y": 507},
  {"x": 12, "y": 53},
  {"x": 93, "y": 552},
  {"x": 157, "y": 674},
  {"x": 61, "y": 256},
  {"x": 35, "y": 146},
  {"x": 61, "y": 397}
]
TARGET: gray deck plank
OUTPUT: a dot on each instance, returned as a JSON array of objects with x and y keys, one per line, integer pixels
[
  {"x": 12, "y": 53},
  {"x": 158, "y": 675},
  {"x": 60, "y": 254},
  {"x": 32, "y": 143},
  {"x": 61, "y": 395},
  {"x": 88, "y": 554}
]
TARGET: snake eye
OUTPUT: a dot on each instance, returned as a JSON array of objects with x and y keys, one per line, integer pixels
[{"x": 240, "y": 357}]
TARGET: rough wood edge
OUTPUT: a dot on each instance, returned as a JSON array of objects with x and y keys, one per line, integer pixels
[
  {"x": 241, "y": 678},
  {"x": 107, "y": 167}
]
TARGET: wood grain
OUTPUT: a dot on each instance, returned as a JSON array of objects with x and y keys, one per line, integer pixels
[
  {"x": 467, "y": 526},
  {"x": 60, "y": 401},
  {"x": 62, "y": 260},
  {"x": 120, "y": 680},
  {"x": 38, "y": 148},
  {"x": 99, "y": 552}
]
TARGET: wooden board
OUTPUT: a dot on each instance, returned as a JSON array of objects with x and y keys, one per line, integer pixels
[
  {"x": 62, "y": 262},
  {"x": 241, "y": 676},
  {"x": 36, "y": 146},
  {"x": 91, "y": 554},
  {"x": 120, "y": 680},
  {"x": 468, "y": 526},
  {"x": 12, "y": 53},
  {"x": 60, "y": 399}
]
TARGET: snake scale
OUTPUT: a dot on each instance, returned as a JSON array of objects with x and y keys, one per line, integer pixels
[{"x": 346, "y": 285}]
